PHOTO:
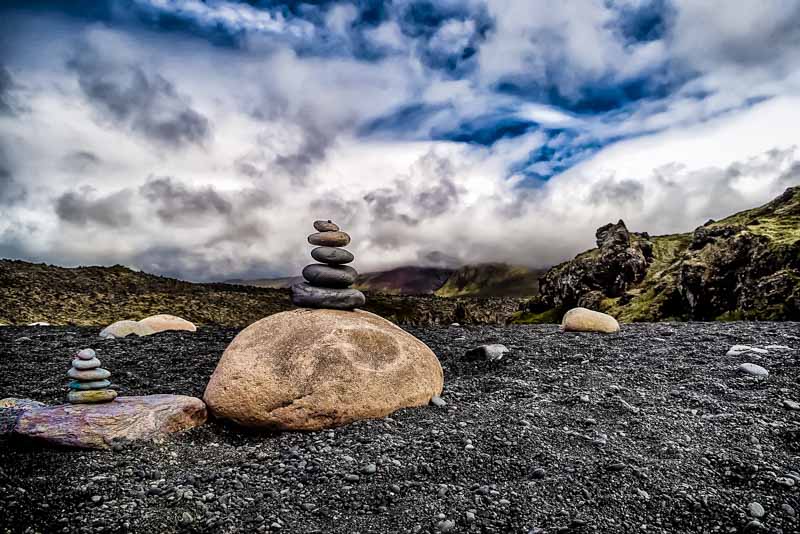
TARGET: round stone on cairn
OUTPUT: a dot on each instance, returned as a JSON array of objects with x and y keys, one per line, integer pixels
[
  {"x": 328, "y": 282},
  {"x": 90, "y": 382}
]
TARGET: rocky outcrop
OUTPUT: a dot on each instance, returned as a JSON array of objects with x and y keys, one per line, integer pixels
[
  {"x": 310, "y": 369},
  {"x": 746, "y": 266},
  {"x": 619, "y": 262}
]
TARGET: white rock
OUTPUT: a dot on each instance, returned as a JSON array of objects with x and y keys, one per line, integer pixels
[
  {"x": 126, "y": 328},
  {"x": 738, "y": 350},
  {"x": 777, "y": 347},
  {"x": 39, "y": 323},
  {"x": 753, "y": 369}
]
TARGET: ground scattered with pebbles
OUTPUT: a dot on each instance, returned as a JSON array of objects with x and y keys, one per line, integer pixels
[{"x": 649, "y": 430}]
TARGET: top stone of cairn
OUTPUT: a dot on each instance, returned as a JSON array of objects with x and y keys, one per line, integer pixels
[
  {"x": 325, "y": 226},
  {"x": 328, "y": 282}
]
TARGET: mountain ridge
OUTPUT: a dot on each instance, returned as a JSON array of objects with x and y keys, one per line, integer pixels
[{"x": 745, "y": 266}]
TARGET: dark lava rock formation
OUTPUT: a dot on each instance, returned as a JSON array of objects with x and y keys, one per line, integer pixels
[
  {"x": 652, "y": 430},
  {"x": 746, "y": 266}
]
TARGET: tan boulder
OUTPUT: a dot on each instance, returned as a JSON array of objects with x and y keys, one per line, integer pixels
[
  {"x": 126, "y": 328},
  {"x": 163, "y": 322},
  {"x": 583, "y": 320},
  {"x": 99, "y": 426},
  {"x": 310, "y": 369}
]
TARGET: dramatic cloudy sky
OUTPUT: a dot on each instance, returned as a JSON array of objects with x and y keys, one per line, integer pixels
[{"x": 200, "y": 139}]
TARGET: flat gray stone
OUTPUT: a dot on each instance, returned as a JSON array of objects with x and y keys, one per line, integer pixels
[
  {"x": 91, "y": 374},
  {"x": 332, "y": 255},
  {"x": 84, "y": 365},
  {"x": 329, "y": 239},
  {"x": 92, "y": 384},
  {"x": 307, "y": 296},
  {"x": 753, "y": 370},
  {"x": 334, "y": 276},
  {"x": 325, "y": 226}
]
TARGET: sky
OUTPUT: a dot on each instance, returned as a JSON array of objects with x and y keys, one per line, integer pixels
[{"x": 201, "y": 139}]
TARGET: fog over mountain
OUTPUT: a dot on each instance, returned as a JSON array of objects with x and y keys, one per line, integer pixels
[{"x": 200, "y": 139}]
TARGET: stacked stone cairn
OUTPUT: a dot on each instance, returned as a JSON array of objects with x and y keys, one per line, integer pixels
[
  {"x": 328, "y": 282},
  {"x": 90, "y": 382}
]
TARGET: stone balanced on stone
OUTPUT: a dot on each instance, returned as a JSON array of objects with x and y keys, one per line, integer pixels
[
  {"x": 328, "y": 282},
  {"x": 90, "y": 382}
]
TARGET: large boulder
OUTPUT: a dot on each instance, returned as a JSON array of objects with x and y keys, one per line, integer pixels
[
  {"x": 583, "y": 320},
  {"x": 99, "y": 426},
  {"x": 310, "y": 369},
  {"x": 126, "y": 328},
  {"x": 164, "y": 322}
]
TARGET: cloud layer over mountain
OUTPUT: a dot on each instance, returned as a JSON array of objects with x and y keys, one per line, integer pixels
[{"x": 200, "y": 139}]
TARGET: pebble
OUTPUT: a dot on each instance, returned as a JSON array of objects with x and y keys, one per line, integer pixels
[
  {"x": 307, "y": 296},
  {"x": 538, "y": 473},
  {"x": 91, "y": 374},
  {"x": 438, "y": 401},
  {"x": 738, "y": 350},
  {"x": 91, "y": 396},
  {"x": 95, "y": 384},
  {"x": 329, "y": 239},
  {"x": 186, "y": 518},
  {"x": 326, "y": 226},
  {"x": 446, "y": 525},
  {"x": 332, "y": 255},
  {"x": 85, "y": 365},
  {"x": 785, "y": 481},
  {"x": 369, "y": 469},
  {"x": 491, "y": 352},
  {"x": 333, "y": 276},
  {"x": 86, "y": 354},
  {"x": 790, "y": 404},
  {"x": 787, "y": 509},
  {"x": 755, "y": 509},
  {"x": 753, "y": 370},
  {"x": 350, "y": 477}
]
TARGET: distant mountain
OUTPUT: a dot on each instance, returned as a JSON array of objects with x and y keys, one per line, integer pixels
[
  {"x": 478, "y": 280},
  {"x": 746, "y": 266}
]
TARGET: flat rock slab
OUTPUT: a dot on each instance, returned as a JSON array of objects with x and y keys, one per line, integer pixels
[{"x": 99, "y": 426}]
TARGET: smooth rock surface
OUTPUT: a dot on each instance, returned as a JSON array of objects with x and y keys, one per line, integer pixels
[
  {"x": 98, "y": 426},
  {"x": 94, "y": 384},
  {"x": 738, "y": 350},
  {"x": 325, "y": 226},
  {"x": 334, "y": 276},
  {"x": 332, "y": 255},
  {"x": 83, "y": 365},
  {"x": 91, "y": 396},
  {"x": 490, "y": 352},
  {"x": 584, "y": 320},
  {"x": 312, "y": 369},
  {"x": 126, "y": 328},
  {"x": 307, "y": 296},
  {"x": 86, "y": 354},
  {"x": 20, "y": 404},
  {"x": 329, "y": 239},
  {"x": 753, "y": 369},
  {"x": 164, "y": 322},
  {"x": 89, "y": 374}
]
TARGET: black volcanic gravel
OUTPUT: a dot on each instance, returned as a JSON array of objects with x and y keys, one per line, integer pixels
[{"x": 650, "y": 430}]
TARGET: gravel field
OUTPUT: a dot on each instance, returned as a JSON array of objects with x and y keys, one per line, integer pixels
[{"x": 649, "y": 430}]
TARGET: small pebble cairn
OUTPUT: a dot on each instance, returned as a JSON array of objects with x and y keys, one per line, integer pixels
[
  {"x": 328, "y": 282},
  {"x": 90, "y": 382}
]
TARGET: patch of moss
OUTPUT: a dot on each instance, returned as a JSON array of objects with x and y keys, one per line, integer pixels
[{"x": 551, "y": 316}]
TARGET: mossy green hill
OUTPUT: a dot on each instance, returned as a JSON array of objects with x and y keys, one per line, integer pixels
[{"x": 746, "y": 266}]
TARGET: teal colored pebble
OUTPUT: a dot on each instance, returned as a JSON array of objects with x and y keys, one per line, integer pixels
[{"x": 96, "y": 384}]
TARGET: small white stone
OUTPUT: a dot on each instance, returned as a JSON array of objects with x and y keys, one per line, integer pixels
[
  {"x": 753, "y": 369},
  {"x": 86, "y": 354}
]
